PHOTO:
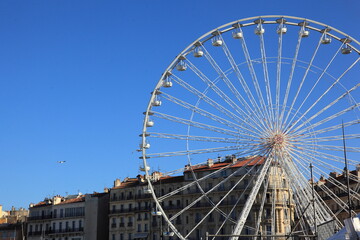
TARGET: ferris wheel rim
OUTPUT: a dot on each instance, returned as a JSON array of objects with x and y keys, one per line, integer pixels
[{"x": 186, "y": 51}]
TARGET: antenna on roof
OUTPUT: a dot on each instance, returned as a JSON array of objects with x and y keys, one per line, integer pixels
[{"x": 346, "y": 170}]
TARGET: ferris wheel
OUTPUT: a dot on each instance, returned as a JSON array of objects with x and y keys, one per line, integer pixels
[{"x": 263, "y": 106}]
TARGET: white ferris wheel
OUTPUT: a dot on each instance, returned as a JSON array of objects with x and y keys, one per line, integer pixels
[{"x": 278, "y": 90}]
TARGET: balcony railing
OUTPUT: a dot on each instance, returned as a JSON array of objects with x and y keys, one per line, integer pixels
[
  {"x": 66, "y": 230},
  {"x": 40, "y": 217}
]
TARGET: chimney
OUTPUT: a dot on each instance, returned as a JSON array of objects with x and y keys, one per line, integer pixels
[
  {"x": 210, "y": 162},
  {"x": 233, "y": 159},
  {"x": 334, "y": 174},
  {"x": 156, "y": 175},
  {"x": 106, "y": 190},
  {"x": 117, "y": 183},
  {"x": 56, "y": 200},
  {"x": 140, "y": 178}
]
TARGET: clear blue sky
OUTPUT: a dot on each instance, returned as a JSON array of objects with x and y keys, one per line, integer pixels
[{"x": 75, "y": 77}]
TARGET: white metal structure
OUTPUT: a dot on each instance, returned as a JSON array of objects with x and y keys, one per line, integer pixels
[{"x": 278, "y": 87}]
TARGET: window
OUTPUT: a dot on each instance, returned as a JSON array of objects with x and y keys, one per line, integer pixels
[
  {"x": 139, "y": 228},
  {"x": 55, "y": 213},
  {"x": 80, "y": 224},
  {"x": 61, "y": 213},
  {"x": 60, "y": 225},
  {"x": 73, "y": 224},
  {"x": 121, "y": 236},
  {"x": 113, "y": 236},
  {"x": 145, "y": 227}
]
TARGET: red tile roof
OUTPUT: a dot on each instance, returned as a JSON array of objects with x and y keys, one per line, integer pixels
[{"x": 257, "y": 160}]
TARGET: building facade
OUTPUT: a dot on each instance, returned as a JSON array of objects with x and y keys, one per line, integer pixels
[
  {"x": 133, "y": 214},
  {"x": 334, "y": 192},
  {"x": 75, "y": 217}
]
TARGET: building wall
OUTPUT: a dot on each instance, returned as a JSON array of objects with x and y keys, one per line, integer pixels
[
  {"x": 72, "y": 218},
  {"x": 131, "y": 207},
  {"x": 324, "y": 186}
]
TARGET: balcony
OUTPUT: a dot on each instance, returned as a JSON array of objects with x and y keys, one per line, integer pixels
[
  {"x": 130, "y": 224},
  {"x": 44, "y": 217},
  {"x": 122, "y": 225},
  {"x": 113, "y": 225},
  {"x": 66, "y": 230},
  {"x": 37, "y": 233}
]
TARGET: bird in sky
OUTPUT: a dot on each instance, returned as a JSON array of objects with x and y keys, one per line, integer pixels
[{"x": 61, "y": 161}]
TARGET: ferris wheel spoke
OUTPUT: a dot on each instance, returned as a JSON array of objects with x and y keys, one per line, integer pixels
[
  {"x": 230, "y": 85},
  {"x": 219, "y": 92},
  {"x": 254, "y": 191},
  {"x": 190, "y": 168},
  {"x": 208, "y": 100},
  {"x": 235, "y": 204},
  {"x": 209, "y": 115},
  {"x": 266, "y": 75},
  {"x": 321, "y": 172},
  {"x": 331, "y": 138},
  {"x": 222, "y": 200},
  {"x": 254, "y": 78},
  {"x": 320, "y": 77},
  {"x": 213, "y": 188},
  {"x": 197, "y": 151},
  {"x": 323, "y": 212},
  {"x": 289, "y": 82},
  {"x": 326, "y": 107},
  {"x": 201, "y": 125},
  {"x": 335, "y": 115},
  {"x": 243, "y": 83},
  {"x": 278, "y": 76},
  {"x": 329, "y": 157},
  {"x": 261, "y": 208},
  {"x": 302, "y": 81},
  {"x": 332, "y": 147},
  {"x": 196, "y": 138},
  {"x": 327, "y": 129},
  {"x": 325, "y": 93}
]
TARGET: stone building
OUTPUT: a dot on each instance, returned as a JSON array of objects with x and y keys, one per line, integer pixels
[
  {"x": 13, "y": 216},
  {"x": 329, "y": 190},
  {"x": 133, "y": 214},
  {"x": 12, "y": 231},
  {"x": 75, "y": 217}
]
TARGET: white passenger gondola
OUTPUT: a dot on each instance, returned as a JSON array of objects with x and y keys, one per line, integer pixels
[
  {"x": 259, "y": 30},
  {"x": 198, "y": 52},
  {"x": 304, "y": 33},
  {"x": 181, "y": 66},
  {"x": 217, "y": 42},
  {"x": 281, "y": 30},
  {"x": 237, "y": 35},
  {"x": 156, "y": 103},
  {"x": 149, "y": 123}
]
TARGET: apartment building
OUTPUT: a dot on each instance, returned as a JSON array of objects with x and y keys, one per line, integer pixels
[
  {"x": 133, "y": 214},
  {"x": 75, "y": 217},
  {"x": 331, "y": 192},
  {"x": 14, "y": 215}
]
